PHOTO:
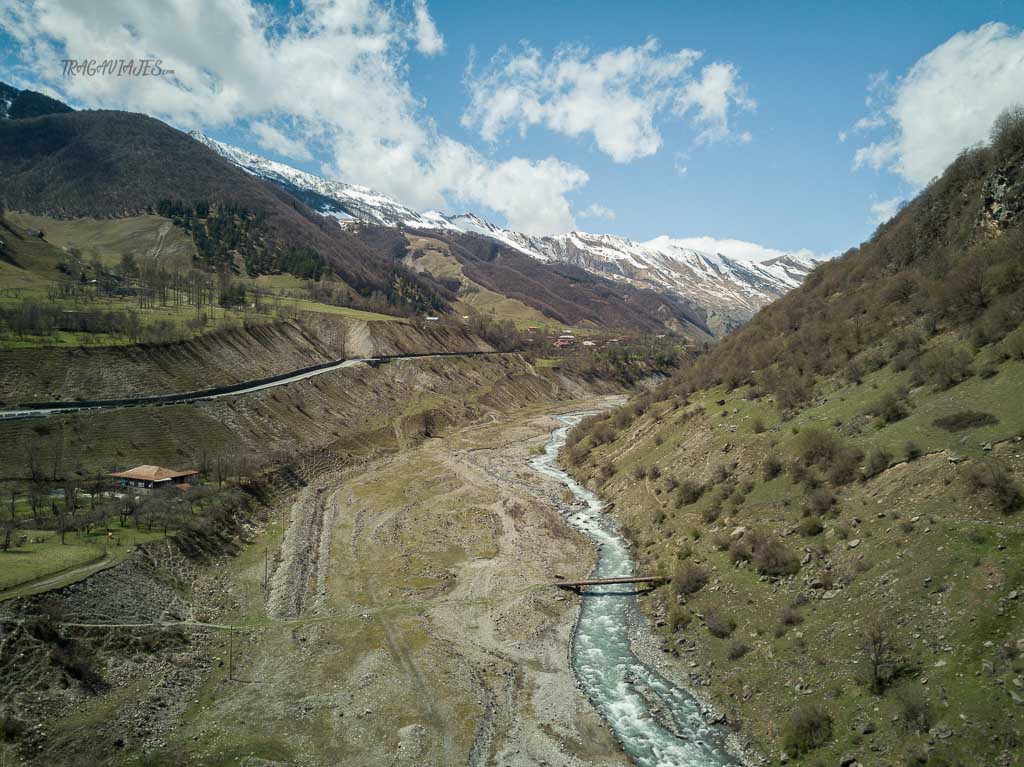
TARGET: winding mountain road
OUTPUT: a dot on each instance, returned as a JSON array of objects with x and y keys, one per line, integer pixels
[{"x": 46, "y": 409}]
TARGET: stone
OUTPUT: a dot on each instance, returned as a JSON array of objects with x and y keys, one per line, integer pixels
[
  {"x": 738, "y": 532},
  {"x": 854, "y": 543}
]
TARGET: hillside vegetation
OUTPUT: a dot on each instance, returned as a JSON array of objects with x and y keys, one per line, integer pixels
[
  {"x": 106, "y": 164},
  {"x": 835, "y": 490}
]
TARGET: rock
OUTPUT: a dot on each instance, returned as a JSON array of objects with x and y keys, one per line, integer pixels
[
  {"x": 738, "y": 533},
  {"x": 849, "y": 761},
  {"x": 1012, "y": 595},
  {"x": 854, "y": 543},
  {"x": 865, "y": 728}
]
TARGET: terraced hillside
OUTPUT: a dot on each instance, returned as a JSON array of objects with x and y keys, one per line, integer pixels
[{"x": 836, "y": 493}]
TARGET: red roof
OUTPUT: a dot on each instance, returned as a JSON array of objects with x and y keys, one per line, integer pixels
[{"x": 149, "y": 473}]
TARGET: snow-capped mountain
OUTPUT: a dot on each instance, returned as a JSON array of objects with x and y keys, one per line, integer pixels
[
  {"x": 728, "y": 289},
  {"x": 346, "y": 202}
]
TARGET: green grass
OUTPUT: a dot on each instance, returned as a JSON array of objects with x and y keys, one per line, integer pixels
[
  {"x": 944, "y": 578},
  {"x": 145, "y": 238},
  {"x": 43, "y": 554}
]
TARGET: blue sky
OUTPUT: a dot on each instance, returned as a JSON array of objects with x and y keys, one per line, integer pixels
[{"x": 776, "y": 173}]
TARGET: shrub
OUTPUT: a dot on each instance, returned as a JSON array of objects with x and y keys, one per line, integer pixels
[
  {"x": 993, "y": 480},
  {"x": 820, "y": 502},
  {"x": 607, "y": 470},
  {"x": 811, "y": 527},
  {"x": 817, "y": 447},
  {"x": 915, "y": 712},
  {"x": 758, "y": 426},
  {"x": 878, "y": 460},
  {"x": 911, "y": 451},
  {"x": 771, "y": 468},
  {"x": 719, "y": 625},
  {"x": 821, "y": 448},
  {"x": 943, "y": 366},
  {"x": 845, "y": 466},
  {"x": 689, "y": 492},
  {"x": 1012, "y": 347},
  {"x": 809, "y": 727},
  {"x": 679, "y": 619},
  {"x": 11, "y": 729},
  {"x": 965, "y": 419},
  {"x": 737, "y": 650},
  {"x": 892, "y": 407},
  {"x": 771, "y": 556},
  {"x": 639, "y": 473},
  {"x": 654, "y": 473},
  {"x": 739, "y": 551},
  {"x": 790, "y": 616},
  {"x": 689, "y": 579},
  {"x": 880, "y": 661},
  {"x": 711, "y": 513}
]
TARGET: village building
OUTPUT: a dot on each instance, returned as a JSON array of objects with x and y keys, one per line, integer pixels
[{"x": 148, "y": 477}]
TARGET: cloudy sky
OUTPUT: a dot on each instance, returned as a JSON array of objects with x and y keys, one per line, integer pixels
[{"x": 794, "y": 127}]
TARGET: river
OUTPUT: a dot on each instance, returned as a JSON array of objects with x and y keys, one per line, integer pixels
[{"x": 657, "y": 723}]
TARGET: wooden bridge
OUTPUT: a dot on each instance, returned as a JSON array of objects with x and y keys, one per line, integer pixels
[{"x": 653, "y": 580}]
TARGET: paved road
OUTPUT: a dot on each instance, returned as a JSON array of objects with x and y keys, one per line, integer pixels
[{"x": 46, "y": 409}]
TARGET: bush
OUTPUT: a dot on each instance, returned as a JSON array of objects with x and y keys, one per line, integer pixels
[
  {"x": 790, "y": 616},
  {"x": 689, "y": 492},
  {"x": 915, "y": 712},
  {"x": 688, "y": 579},
  {"x": 771, "y": 557},
  {"x": 820, "y": 502},
  {"x": 719, "y": 625},
  {"x": 943, "y": 366},
  {"x": 679, "y": 619},
  {"x": 811, "y": 527},
  {"x": 820, "y": 448},
  {"x": 737, "y": 650},
  {"x": 758, "y": 426},
  {"x": 711, "y": 513},
  {"x": 892, "y": 407},
  {"x": 994, "y": 481},
  {"x": 878, "y": 460},
  {"x": 965, "y": 419},
  {"x": 809, "y": 727},
  {"x": 639, "y": 473},
  {"x": 11, "y": 729},
  {"x": 911, "y": 451},
  {"x": 771, "y": 468}
]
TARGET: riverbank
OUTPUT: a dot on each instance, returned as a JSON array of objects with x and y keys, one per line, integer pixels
[{"x": 408, "y": 619}]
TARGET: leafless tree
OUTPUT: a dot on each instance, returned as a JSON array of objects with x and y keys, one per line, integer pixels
[{"x": 880, "y": 657}]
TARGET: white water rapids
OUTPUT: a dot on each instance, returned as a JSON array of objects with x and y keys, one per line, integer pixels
[{"x": 657, "y": 723}]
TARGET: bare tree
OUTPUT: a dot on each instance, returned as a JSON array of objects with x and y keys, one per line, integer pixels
[{"x": 880, "y": 658}]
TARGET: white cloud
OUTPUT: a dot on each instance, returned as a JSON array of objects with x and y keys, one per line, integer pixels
[
  {"x": 332, "y": 75},
  {"x": 597, "y": 210},
  {"x": 946, "y": 102},
  {"x": 842, "y": 136},
  {"x": 679, "y": 162},
  {"x": 428, "y": 40},
  {"x": 883, "y": 210},
  {"x": 614, "y": 96},
  {"x": 270, "y": 138},
  {"x": 869, "y": 123},
  {"x": 739, "y": 250}
]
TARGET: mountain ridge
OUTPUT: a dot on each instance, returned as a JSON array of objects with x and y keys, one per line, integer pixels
[{"x": 728, "y": 289}]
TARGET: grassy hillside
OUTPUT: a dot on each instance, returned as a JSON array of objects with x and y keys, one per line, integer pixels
[
  {"x": 87, "y": 282},
  {"x": 115, "y": 164},
  {"x": 836, "y": 491}
]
